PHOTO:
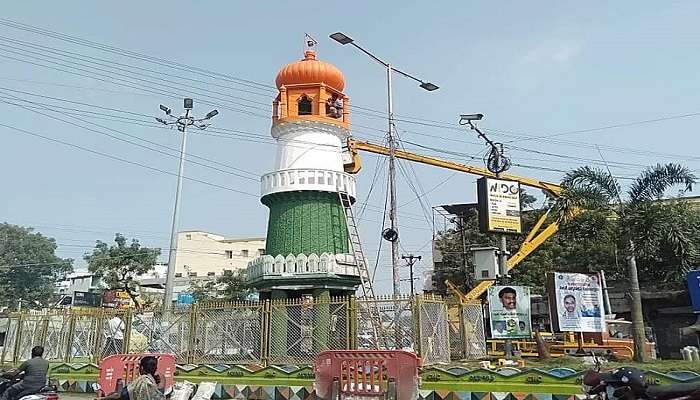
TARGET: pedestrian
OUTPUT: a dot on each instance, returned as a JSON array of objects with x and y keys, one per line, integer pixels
[
  {"x": 114, "y": 336},
  {"x": 35, "y": 376}
]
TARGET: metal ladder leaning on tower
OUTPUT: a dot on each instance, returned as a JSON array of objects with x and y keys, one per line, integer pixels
[{"x": 371, "y": 310}]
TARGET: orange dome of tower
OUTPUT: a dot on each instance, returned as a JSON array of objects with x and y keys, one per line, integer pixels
[{"x": 311, "y": 70}]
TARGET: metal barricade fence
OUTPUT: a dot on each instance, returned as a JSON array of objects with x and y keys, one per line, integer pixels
[{"x": 265, "y": 332}]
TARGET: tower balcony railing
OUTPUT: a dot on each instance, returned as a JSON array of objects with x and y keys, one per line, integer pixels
[
  {"x": 301, "y": 265},
  {"x": 289, "y": 180}
]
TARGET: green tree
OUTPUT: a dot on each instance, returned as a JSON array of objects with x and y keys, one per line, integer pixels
[
  {"x": 644, "y": 225},
  {"x": 231, "y": 286},
  {"x": 121, "y": 264},
  {"x": 29, "y": 267}
]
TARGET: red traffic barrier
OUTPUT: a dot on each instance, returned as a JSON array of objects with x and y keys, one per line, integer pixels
[
  {"x": 118, "y": 370},
  {"x": 381, "y": 374}
]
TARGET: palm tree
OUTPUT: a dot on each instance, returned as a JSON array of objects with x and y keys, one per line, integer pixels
[{"x": 588, "y": 188}]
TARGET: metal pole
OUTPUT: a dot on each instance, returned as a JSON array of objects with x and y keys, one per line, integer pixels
[
  {"x": 170, "y": 277},
  {"x": 606, "y": 295},
  {"x": 503, "y": 272},
  {"x": 392, "y": 189}
]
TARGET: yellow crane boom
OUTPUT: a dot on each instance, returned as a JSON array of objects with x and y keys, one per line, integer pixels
[{"x": 532, "y": 241}]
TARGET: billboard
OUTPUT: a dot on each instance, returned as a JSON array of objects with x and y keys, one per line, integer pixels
[
  {"x": 694, "y": 289},
  {"x": 87, "y": 299},
  {"x": 116, "y": 299},
  {"x": 499, "y": 205},
  {"x": 576, "y": 302},
  {"x": 509, "y": 309}
]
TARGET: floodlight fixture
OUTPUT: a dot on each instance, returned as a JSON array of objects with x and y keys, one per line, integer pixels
[
  {"x": 189, "y": 104},
  {"x": 341, "y": 38},
  {"x": 429, "y": 86}
]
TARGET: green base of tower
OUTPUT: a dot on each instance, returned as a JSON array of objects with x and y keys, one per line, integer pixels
[{"x": 305, "y": 222}]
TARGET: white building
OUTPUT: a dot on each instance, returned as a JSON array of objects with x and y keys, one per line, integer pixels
[{"x": 207, "y": 254}]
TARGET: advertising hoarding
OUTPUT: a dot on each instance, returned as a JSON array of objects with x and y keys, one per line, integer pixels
[
  {"x": 509, "y": 310},
  {"x": 499, "y": 205},
  {"x": 576, "y": 302}
]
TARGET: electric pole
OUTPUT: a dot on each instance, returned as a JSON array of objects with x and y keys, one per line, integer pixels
[
  {"x": 410, "y": 260},
  {"x": 182, "y": 123},
  {"x": 497, "y": 163}
]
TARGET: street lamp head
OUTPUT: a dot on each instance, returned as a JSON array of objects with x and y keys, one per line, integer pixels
[
  {"x": 466, "y": 118},
  {"x": 341, "y": 38},
  {"x": 189, "y": 104},
  {"x": 162, "y": 121},
  {"x": 429, "y": 86},
  {"x": 165, "y": 109},
  {"x": 211, "y": 114}
]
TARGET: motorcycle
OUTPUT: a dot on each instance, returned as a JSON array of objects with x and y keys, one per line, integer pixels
[
  {"x": 48, "y": 392},
  {"x": 630, "y": 384}
]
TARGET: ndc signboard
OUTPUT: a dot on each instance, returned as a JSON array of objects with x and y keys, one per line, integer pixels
[{"x": 499, "y": 206}]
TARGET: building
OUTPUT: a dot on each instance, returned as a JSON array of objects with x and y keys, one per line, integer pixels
[
  {"x": 202, "y": 253},
  {"x": 78, "y": 282},
  {"x": 307, "y": 250}
]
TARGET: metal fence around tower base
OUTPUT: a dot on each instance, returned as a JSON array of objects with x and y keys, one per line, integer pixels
[{"x": 265, "y": 332}]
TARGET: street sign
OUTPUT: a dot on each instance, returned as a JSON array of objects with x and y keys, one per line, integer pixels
[
  {"x": 694, "y": 289},
  {"x": 499, "y": 206}
]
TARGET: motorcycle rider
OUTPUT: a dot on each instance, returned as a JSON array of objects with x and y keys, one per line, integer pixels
[{"x": 35, "y": 373}]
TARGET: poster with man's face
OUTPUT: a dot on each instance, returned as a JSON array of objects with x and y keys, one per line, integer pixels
[
  {"x": 579, "y": 302},
  {"x": 509, "y": 308}
]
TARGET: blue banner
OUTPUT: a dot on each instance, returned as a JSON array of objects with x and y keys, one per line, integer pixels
[{"x": 694, "y": 289}]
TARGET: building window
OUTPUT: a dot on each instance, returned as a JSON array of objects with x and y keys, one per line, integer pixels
[
  {"x": 229, "y": 254},
  {"x": 244, "y": 253},
  {"x": 304, "y": 105},
  {"x": 211, "y": 273},
  {"x": 192, "y": 274},
  {"x": 261, "y": 252},
  {"x": 189, "y": 237},
  {"x": 178, "y": 275}
]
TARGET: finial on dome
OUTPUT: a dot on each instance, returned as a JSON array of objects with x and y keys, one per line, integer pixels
[
  {"x": 309, "y": 55},
  {"x": 310, "y": 50}
]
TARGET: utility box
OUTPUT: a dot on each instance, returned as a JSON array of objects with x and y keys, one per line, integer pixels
[{"x": 485, "y": 263}]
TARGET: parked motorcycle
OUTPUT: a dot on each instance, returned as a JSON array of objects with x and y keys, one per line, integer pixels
[
  {"x": 48, "y": 392},
  {"x": 630, "y": 384}
]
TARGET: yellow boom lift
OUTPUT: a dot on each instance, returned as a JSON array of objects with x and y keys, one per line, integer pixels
[{"x": 535, "y": 238}]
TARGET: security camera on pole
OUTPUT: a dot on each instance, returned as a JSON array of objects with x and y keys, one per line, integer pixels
[
  {"x": 182, "y": 123},
  {"x": 497, "y": 163}
]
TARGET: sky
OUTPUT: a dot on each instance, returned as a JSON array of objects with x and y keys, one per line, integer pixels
[{"x": 561, "y": 84}]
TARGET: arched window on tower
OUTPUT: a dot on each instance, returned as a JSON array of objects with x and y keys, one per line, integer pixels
[{"x": 304, "y": 105}]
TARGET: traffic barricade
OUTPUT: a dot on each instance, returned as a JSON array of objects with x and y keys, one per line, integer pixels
[
  {"x": 367, "y": 374},
  {"x": 118, "y": 370}
]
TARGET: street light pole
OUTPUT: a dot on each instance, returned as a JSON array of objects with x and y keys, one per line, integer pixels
[
  {"x": 182, "y": 123},
  {"x": 392, "y": 236},
  {"x": 395, "y": 272}
]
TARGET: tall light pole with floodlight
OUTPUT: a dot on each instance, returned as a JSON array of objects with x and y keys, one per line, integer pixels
[
  {"x": 182, "y": 123},
  {"x": 392, "y": 233}
]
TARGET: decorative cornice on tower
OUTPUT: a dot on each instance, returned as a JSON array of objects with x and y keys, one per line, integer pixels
[{"x": 293, "y": 180}]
